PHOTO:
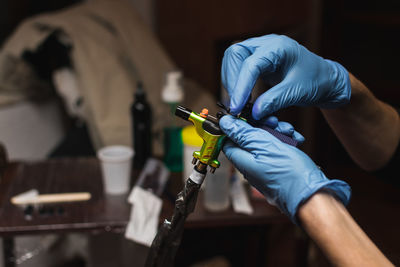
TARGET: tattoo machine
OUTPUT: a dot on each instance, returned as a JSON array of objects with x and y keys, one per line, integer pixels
[{"x": 166, "y": 243}]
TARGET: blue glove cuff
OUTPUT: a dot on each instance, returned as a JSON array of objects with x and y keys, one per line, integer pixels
[
  {"x": 341, "y": 82},
  {"x": 339, "y": 189}
]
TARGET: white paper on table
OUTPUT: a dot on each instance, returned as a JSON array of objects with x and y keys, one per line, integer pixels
[
  {"x": 153, "y": 177},
  {"x": 145, "y": 212}
]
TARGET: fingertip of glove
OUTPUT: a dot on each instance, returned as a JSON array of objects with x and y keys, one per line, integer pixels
[
  {"x": 285, "y": 128},
  {"x": 232, "y": 126},
  {"x": 237, "y": 103},
  {"x": 270, "y": 121},
  {"x": 234, "y": 109},
  {"x": 259, "y": 111},
  {"x": 298, "y": 137},
  {"x": 225, "y": 121}
]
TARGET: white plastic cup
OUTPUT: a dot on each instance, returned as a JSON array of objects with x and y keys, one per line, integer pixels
[
  {"x": 116, "y": 162},
  {"x": 217, "y": 188}
]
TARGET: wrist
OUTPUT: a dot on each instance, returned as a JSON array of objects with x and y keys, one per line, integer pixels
[
  {"x": 326, "y": 221},
  {"x": 358, "y": 94},
  {"x": 361, "y": 98},
  {"x": 321, "y": 208},
  {"x": 316, "y": 182}
]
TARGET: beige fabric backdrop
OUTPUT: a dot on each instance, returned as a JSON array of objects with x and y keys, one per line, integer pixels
[{"x": 112, "y": 49}]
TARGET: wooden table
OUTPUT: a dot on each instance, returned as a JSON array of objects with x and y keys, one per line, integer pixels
[{"x": 102, "y": 212}]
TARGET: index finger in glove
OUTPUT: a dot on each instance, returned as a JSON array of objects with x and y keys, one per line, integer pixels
[
  {"x": 249, "y": 72},
  {"x": 231, "y": 65},
  {"x": 243, "y": 134}
]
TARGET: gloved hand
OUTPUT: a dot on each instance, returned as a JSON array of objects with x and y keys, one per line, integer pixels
[
  {"x": 283, "y": 127},
  {"x": 300, "y": 77},
  {"x": 285, "y": 175}
]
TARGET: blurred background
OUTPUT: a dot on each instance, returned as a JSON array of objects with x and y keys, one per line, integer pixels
[
  {"x": 192, "y": 37},
  {"x": 361, "y": 35}
]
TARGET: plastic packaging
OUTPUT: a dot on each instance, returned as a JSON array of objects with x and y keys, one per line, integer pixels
[
  {"x": 217, "y": 188},
  {"x": 116, "y": 164}
]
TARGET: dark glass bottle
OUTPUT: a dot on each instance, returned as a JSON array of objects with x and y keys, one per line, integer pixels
[{"x": 141, "y": 121}]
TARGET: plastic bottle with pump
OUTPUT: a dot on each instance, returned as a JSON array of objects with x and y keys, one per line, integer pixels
[
  {"x": 172, "y": 95},
  {"x": 141, "y": 121}
]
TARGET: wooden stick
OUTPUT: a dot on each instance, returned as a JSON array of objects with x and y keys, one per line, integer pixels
[{"x": 53, "y": 198}]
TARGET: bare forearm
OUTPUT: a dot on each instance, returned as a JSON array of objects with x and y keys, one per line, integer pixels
[
  {"x": 340, "y": 238},
  {"x": 368, "y": 128}
]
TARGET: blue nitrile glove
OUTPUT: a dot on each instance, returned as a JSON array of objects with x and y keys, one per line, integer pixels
[
  {"x": 283, "y": 127},
  {"x": 285, "y": 175},
  {"x": 300, "y": 77}
]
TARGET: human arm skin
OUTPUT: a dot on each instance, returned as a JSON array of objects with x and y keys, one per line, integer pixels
[
  {"x": 368, "y": 128},
  {"x": 344, "y": 243}
]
